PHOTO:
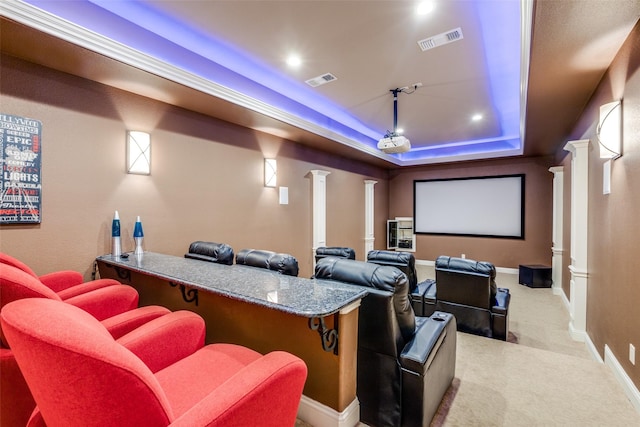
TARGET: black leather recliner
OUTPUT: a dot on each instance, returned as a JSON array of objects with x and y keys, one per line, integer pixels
[
  {"x": 405, "y": 363},
  {"x": 341, "y": 252},
  {"x": 282, "y": 263},
  {"x": 467, "y": 289},
  {"x": 423, "y": 293},
  {"x": 220, "y": 253}
]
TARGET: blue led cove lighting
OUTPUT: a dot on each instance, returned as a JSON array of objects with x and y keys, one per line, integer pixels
[{"x": 146, "y": 29}]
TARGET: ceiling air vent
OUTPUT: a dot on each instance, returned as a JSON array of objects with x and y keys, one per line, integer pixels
[
  {"x": 440, "y": 39},
  {"x": 320, "y": 80}
]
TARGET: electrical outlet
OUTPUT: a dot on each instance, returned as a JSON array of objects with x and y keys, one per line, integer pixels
[
  {"x": 632, "y": 354},
  {"x": 463, "y": 256}
]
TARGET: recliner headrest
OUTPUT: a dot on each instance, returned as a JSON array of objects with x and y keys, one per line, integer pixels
[
  {"x": 16, "y": 284},
  {"x": 14, "y": 262},
  {"x": 220, "y": 253},
  {"x": 360, "y": 273},
  {"x": 341, "y": 252},
  {"x": 402, "y": 260},
  {"x": 284, "y": 263},
  {"x": 381, "y": 277},
  {"x": 465, "y": 264},
  {"x": 280, "y": 262}
]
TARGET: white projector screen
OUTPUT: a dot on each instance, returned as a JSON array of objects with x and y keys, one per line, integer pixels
[{"x": 491, "y": 206}]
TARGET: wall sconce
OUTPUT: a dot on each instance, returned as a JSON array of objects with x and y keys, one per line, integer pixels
[
  {"x": 138, "y": 153},
  {"x": 609, "y": 130},
  {"x": 270, "y": 172}
]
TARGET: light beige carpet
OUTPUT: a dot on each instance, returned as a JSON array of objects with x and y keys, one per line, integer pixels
[{"x": 541, "y": 377}]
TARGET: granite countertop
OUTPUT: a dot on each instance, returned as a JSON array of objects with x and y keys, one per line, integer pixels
[{"x": 295, "y": 295}]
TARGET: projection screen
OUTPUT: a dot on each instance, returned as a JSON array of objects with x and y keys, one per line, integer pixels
[{"x": 488, "y": 206}]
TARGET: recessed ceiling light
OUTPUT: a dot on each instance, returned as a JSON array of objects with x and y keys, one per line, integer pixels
[
  {"x": 476, "y": 117},
  {"x": 425, "y": 7},
  {"x": 294, "y": 61},
  {"x": 400, "y": 131}
]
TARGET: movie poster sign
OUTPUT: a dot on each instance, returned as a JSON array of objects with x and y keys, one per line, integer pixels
[{"x": 21, "y": 145}]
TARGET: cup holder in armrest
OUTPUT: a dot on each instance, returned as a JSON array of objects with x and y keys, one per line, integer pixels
[{"x": 438, "y": 318}]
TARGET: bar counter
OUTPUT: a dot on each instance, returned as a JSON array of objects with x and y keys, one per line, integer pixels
[
  {"x": 295, "y": 295},
  {"x": 317, "y": 320}
]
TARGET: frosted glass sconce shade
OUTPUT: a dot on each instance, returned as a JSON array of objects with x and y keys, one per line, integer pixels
[
  {"x": 138, "y": 152},
  {"x": 610, "y": 130},
  {"x": 270, "y": 172}
]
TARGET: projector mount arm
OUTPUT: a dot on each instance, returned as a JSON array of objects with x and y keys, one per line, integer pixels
[
  {"x": 394, "y": 132},
  {"x": 395, "y": 93}
]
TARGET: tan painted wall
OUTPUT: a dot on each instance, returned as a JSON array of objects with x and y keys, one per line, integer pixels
[
  {"x": 536, "y": 246},
  {"x": 613, "y": 294},
  {"x": 206, "y": 181}
]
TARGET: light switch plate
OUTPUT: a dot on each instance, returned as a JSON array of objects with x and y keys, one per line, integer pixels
[
  {"x": 284, "y": 195},
  {"x": 606, "y": 177}
]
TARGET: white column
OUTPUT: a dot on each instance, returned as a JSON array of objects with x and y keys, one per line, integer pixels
[
  {"x": 556, "y": 248},
  {"x": 579, "y": 227},
  {"x": 319, "y": 188},
  {"x": 369, "y": 215}
]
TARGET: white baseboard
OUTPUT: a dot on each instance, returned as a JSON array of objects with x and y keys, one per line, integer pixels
[
  {"x": 319, "y": 415},
  {"x": 426, "y": 262},
  {"x": 505, "y": 270},
  {"x": 577, "y": 334},
  {"x": 593, "y": 351},
  {"x": 627, "y": 385},
  {"x": 565, "y": 300}
]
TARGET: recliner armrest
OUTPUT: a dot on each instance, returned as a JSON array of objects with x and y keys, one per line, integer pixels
[
  {"x": 85, "y": 287},
  {"x": 60, "y": 280},
  {"x": 123, "y": 323},
  {"x": 430, "y": 333},
  {"x": 503, "y": 297},
  {"x": 106, "y": 302},
  {"x": 262, "y": 390},
  {"x": 166, "y": 339},
  {"x": 428, "y": 290}
]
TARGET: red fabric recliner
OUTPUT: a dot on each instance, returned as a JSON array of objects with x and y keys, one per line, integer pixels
[
  {"x": 80, "y": 376},
  {"x": 66, "y": 283},
  {"x": 114, "y": 305}
]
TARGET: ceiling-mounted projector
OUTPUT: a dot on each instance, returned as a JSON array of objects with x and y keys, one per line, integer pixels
[{"x": 394, "y": 144}]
